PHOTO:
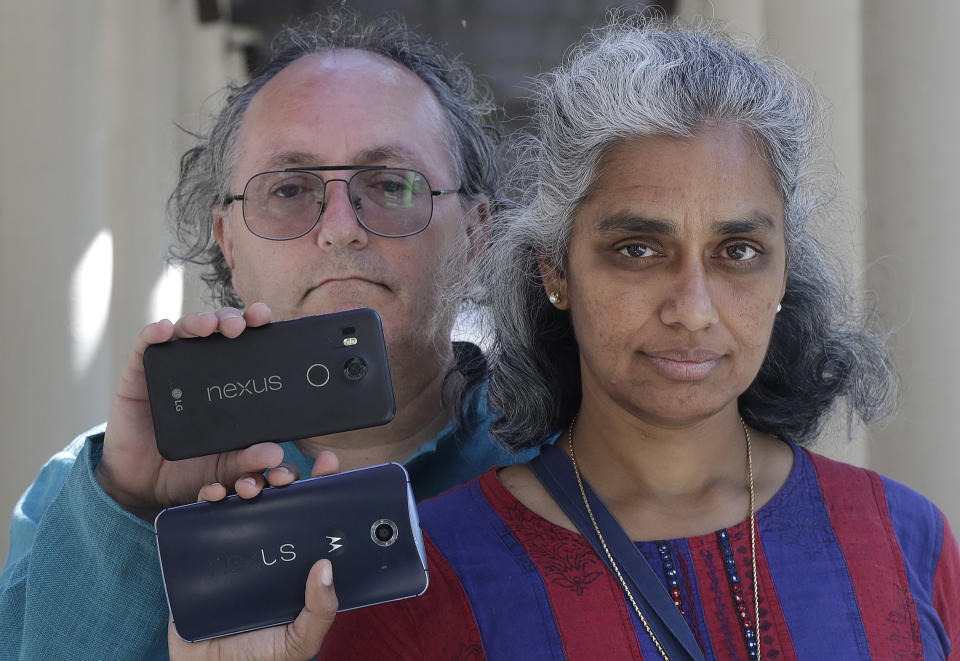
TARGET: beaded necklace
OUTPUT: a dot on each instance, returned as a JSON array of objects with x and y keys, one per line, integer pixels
[{"x": 748, "y": 627}]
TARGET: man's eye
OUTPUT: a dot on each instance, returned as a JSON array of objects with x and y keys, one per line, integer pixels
[
  {"x": 636, "y": 250},
  {"x": 740, "y": 252},
  {"x": 393, "y": 187},
  {"x": 287, "y": 190}
]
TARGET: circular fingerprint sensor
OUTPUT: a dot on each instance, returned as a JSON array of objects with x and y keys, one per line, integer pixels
[{"x": 318, "y": 375}]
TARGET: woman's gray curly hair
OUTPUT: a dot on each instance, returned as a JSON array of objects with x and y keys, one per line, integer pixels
[
  {"x": 641, "y": 77},
  {"x": 206, "y": 169}
]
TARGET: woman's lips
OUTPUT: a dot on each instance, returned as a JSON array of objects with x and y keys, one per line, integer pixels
[{"x": 684, "y": 365}]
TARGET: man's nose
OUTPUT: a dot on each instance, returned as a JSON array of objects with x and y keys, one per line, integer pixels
[
  {"x": 689, "y": 302},
  {"x": 338, "y": 224}
]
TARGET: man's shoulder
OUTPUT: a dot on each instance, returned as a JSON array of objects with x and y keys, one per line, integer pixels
[
  {"x": 54, "y": 472},
  {"x": 463, "y": 450}
]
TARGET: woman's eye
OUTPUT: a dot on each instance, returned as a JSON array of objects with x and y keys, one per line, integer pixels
[
  {"x": 637, "y": 250},
  {"x": 740, "y": 252}
]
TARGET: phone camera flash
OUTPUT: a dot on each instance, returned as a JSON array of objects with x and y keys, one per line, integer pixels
[{"x": 349, "y": 341}]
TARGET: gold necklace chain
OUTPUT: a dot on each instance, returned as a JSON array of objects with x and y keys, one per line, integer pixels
[{"x": 616, "y": 568}]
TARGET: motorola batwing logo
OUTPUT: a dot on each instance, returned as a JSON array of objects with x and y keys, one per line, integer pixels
[{"x": 334, "y": 545}]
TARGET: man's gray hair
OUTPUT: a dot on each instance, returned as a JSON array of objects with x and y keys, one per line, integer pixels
[
  {"x": 640, "y": 77},
  {"x": 206, "y": 169}
]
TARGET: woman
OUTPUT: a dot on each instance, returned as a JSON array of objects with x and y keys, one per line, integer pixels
[{"x": 661, "y": 310}]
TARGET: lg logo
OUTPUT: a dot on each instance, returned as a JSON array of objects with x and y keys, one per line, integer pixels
[{"x": 177, "y": 400}]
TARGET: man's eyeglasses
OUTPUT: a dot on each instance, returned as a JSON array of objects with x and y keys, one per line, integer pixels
[{"x": 286, "y": 204}]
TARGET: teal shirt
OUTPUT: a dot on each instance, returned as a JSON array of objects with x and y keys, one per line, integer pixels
[{"x": 82, "y": 578}]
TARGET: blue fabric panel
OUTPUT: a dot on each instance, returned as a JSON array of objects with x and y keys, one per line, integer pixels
[
  {"x": 683, "y": 556},
  {"x": 918, "y": 527},
  {"x": 809, "y": 570},
  {"x": 460, "y": 524}
]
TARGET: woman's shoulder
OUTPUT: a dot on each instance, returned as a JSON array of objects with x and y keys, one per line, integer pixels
[
  {"x": 860, "y": 495},
  {"x": 841, "y": 479}
]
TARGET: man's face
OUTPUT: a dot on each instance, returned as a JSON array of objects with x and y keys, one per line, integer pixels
[{"x": 347, "y": 108}]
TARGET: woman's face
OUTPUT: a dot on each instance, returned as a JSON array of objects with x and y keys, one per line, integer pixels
[{"x": 675, "y": 268}]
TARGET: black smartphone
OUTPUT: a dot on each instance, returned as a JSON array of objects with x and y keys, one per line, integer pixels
[
  {"x": 280, "y": 382},
  {"x": 238, "y": 565}
]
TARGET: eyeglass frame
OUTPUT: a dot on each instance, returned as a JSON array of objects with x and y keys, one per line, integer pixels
[{"x": 230, "y": 198}]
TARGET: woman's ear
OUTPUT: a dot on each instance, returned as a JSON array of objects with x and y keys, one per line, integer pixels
[{"x": 554, "y": 285}]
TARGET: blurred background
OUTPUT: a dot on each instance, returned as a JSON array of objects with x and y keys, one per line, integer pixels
[{"x": 93, "y": 95}]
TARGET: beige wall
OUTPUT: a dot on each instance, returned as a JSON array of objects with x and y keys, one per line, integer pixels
[
  {"x": 889, "y": 74},
  {"x": 88, "y": 155}
]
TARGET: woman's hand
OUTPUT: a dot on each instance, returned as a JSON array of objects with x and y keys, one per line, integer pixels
[{"x": 301, "y": 639}]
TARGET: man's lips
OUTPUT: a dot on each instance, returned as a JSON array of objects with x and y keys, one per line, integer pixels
[
  {"x": 349, "y": 278},
  {"x": 684, "y": 364},
  {"x": 352, "y": 279}
]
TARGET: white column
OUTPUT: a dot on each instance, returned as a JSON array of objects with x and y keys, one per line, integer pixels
[
  {"x": 911, "y": 147},
  {"x": 55, "y": 252}
]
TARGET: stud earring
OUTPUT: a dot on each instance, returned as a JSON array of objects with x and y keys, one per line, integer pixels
[
  {"x": 554, "y": 297},
  {"x": 779, "y": 307}
]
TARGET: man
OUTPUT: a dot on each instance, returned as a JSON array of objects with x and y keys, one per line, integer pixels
[{"x": 82, "y": 576}]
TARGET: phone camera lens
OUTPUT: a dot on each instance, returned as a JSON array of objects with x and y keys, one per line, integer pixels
[
  {"x": 384, "y": 532},
  {"x": 355, "y": 369}
]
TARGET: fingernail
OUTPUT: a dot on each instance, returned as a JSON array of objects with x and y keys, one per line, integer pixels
[
  {"x": 326, "y": 574},
  {"x": 249, "y": 481}
]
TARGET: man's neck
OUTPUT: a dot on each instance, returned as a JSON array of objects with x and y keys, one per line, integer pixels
[{"x": 422, "y": 413}]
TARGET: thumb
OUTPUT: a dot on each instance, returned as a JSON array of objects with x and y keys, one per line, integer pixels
[{"x": 305, "y": 634}]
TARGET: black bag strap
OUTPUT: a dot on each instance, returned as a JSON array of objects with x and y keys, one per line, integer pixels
[{"x": 555, "y": 472}]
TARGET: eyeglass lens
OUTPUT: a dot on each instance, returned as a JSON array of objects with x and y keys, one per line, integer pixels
[{"x": 388, "y": 202}]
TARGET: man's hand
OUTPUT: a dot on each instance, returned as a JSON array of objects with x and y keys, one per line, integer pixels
[
  {"x": 131, "y": 471},
  {"x": 301, "y": 639},
  {"x": 250, "y": 486}
]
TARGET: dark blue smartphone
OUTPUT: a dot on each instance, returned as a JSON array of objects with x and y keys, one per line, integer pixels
[{"x": 239, "y": 565}]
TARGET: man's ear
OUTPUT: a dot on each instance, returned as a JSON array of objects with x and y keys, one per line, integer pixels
[
  {"x": 554, "y": 284},
  {"x": 224, "y": 235},
  {"x": 477, "y": 226}
]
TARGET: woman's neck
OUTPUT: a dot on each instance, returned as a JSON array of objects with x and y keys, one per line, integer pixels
[{"x": 663, "y": 479}]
